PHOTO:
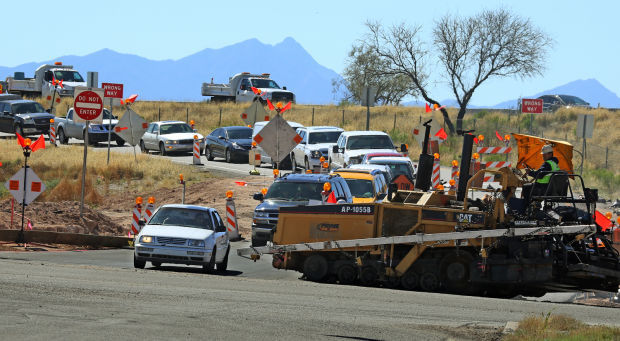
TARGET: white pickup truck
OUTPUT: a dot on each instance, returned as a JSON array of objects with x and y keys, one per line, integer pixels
[
  {"x": 41, "y": 83},
  {"x": 353, "y": 145},
  {"x": 316, "y": 142},
  {"x": 239, "y": 89},
  {"x": 67, "y": 127}
]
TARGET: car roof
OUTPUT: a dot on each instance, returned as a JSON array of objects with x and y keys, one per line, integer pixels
[
  {"x": 13, "y": 101},
  {"x": 396, "y": 154},
  {"x": 293, "y": 125},
  {"x": 191, "y": 207},
  {"x": 307, "y": 177},
  {"x": 399, "y": 159},
  {"x": 235, "y": 128},
  {"x": 357, "y": 173},
  {"x": 167, "y": 122},
  {"x": 322, "y": 128},
  {"x": 363, "y": 132},
  {"x": 9, "y": 97},
  {"x": 379, "y": 167}
]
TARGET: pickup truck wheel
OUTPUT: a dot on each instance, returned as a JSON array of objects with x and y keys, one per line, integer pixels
[
  {"x": 138, "y": 264},
  {"x": 120, "y": 142},
  {"x": 162, "y": 149},
  {"x": 208, "y": 267},
  {"x": 315, "y": 268},
  {"x": 228, "y": 156},
  {"x": 61, "y": 137},
  {"x": 19, "y": 129},
  {"x": 224, "y": 264},
  {"x": 209, "y": 154},
  {"x": 143, "y": 147},
  {"x": 307, "y": 164}
]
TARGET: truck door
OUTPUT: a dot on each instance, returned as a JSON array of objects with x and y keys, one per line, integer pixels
[
  {"x": 338, "y": 158},
  {"x": 245, "y": 93},
  {"x": 71, "y": 128}
]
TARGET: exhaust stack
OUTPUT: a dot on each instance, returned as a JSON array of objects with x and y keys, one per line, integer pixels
[
  {"x": 425, "y": 166},
  {"x": 468, "y": 142}
]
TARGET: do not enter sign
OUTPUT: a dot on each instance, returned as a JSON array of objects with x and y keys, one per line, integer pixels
[{"x": 88, "y": 104}]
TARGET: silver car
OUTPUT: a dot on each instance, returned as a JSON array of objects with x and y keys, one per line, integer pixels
[{"x": 170, "y": 136}]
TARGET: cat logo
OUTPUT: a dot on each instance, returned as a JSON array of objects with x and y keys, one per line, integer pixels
[
  {"x": 464, "y": 218},
  {"x": 328, "y": 227}
]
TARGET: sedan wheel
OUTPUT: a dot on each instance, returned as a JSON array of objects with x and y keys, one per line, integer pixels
[
  {"x": 209, "y": 154},
  {"x": 228, "y": 156},
  {"x": 224, "y": 264},
  {"x": 143, "y": 147},
  {"x": 293, "y": 163},
  {"x": 138, "y": 264},
  {"x": 208, "y": 267},
  {"x": 162, "y": 149}
]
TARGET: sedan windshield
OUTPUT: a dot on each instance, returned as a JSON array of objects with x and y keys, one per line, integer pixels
[
  {"x": 27, "y": 108},
  {"x": 324, "y": 137},
  {"x": 175, "y": 128},
  {"x": 360, "y": 188},
  {"x": 370, "y": 142},
  {"x": 397, "y": 168},
  {"x": 295, "y": 191},
  {"x": 240, "y": 134},
  {"x": 68, "y": 76},
  {"x": 182, "y": 217},
  {"x": 264, "y": 83}
]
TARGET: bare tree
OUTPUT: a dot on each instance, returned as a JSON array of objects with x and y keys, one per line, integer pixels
[
  {"x": 364, "y": 68},
  {"x": 402, "y": 52},
  {"x": 490, "y": 44}
]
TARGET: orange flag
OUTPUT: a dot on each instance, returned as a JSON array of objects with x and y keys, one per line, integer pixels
[
  {"x": 38, "y": 144},
  {"x": 286, "y": 107},
  {"x": 428, "y": 108},
  {"x": 20, "y": 140},
  {"x": 332, "y": 198},
  {"x": 271, "y": 107}
]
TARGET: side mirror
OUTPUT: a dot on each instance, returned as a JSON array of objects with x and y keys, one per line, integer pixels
[
  {"x": 403, "y": 148},
  {"x": 220, "y": 228},
  {"x": 195, "y": 130},
  {"x": 283, "y": 88},
  {"x": 258, "y": 196},
  {"x": 242, "y": 87},
  {"x": 141, "y": 223},
  {"x": 221, "y": 137},
  {"x": 335, "y": 149},
  {"x": 48, "y": 111},
  {"x": 381, "y": 196}
]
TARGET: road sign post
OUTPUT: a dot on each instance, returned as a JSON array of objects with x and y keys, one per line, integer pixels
[
  {"x": 88, "y": 106},
  {"x": 111, "y": 91},
  {"x": 531, "y": 106},
  {"x": 585, "y": 129},
  {"x": 368, "y": 99}
]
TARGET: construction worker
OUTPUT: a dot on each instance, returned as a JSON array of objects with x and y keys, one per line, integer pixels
[{"x": 543, "y": 175}]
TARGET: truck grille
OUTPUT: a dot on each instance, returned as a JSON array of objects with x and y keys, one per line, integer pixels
[
  {"x": 171, "y": 241},
  {"x": 281, "y": 96},
  {"x": 42, "y": 121}
]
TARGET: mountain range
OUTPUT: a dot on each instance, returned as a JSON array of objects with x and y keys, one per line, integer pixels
[{"x": 288, "y": 63}]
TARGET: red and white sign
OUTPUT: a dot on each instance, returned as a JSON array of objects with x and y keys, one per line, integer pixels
[
  {"x": 112, "y": 90},
  {"x": 531, "y": 106},
  {"x": 34, "y": 187},
  {"x": 88, "y": 104}
]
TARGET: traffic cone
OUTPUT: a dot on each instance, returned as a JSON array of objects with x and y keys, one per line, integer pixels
[{"x": 232, "y": 228}]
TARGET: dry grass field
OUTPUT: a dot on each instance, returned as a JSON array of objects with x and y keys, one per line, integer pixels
[{"x": 601, "y": 166}]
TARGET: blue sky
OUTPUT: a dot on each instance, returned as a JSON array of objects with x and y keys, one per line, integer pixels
[{"x": 585, "y": 32}]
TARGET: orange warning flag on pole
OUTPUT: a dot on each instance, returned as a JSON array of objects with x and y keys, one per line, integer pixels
[
  {"x": 332, "y": 198},
  {"x": 499, "y": 137},
  {"x": 602, "y": 221},
  {"x": 20, "y": 140},
  {"x": 38, "y": 144},
  {"x": 428, "y": 108},
  {"x": 286, "y": 107},
  {"x": 271, "y": 107},
  {"x": 442, "y": 134}
]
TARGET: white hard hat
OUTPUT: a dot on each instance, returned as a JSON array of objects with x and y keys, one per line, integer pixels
[{"x": 546, "y": 149}]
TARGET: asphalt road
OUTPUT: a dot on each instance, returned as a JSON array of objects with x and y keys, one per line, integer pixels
[{"x": 98, "y": 295}]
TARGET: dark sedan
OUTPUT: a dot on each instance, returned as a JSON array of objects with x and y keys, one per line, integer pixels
[{"x": 230, "y": 143}]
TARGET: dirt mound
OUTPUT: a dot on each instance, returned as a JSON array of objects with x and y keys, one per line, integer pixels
[{"x": 63, "y": 216}]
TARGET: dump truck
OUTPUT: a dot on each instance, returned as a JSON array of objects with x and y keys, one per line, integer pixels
[
  {"x": 239, "y": 89},
  {"x": 41, "y": 83},
  {"x": 501, "y": 241}
]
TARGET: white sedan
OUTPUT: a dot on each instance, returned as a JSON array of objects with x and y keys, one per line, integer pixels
[{"x": 183, "y": 234}]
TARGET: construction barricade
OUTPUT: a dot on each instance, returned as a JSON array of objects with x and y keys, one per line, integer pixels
[
  {"x": 52, "y": 133},
  {"x": 137, "y": 214},
  {"x": 149, "y": 209},
  {"x": 436, "y": 177},
  {"x": 232, "y": 227}
]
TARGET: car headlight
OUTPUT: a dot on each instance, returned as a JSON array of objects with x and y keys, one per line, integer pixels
[
  {"x": 261, "y": 214},
  {"x": 196, "y": 243},
  {"x": 146, "y": 239},
  {"x": 315, "y": 154},
  {"x": 28, "y": 120},
  {"x": 172, "y": 142},
  {"x": 236, "y": 146}
]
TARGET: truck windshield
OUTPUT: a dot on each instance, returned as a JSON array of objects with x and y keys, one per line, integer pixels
[
  {"x": 324, "y": 137},
  {"x": 264, "y": 83},
  {"x": 370, "y": 142},
  {"x": 27, "y": 108},
  {"x": 360, "y": 188},
  {"x": 182, "y": 217},
  {"x": 295, "y": 191},
  {"x": 68, "y": 76},
  {"x": 175, "y": 128}
]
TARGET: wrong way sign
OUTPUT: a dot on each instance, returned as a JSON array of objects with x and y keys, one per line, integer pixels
[
  {"x": 277, "y": 138},
  {"x": 131, "y": 127},
  {"x": 34, "y": 186}
]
